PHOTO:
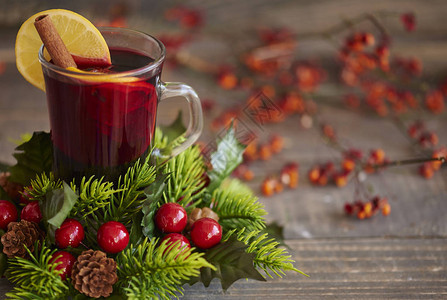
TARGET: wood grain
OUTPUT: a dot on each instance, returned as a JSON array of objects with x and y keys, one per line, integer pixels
[{"x": 345, "y": 268}]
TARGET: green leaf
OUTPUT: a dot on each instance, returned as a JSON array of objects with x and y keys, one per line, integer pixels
[
  {"x": 175, "y": 129},
  {"x": 4, "y": 167},
  {"x": 232, "y": 263},
  {"x": 225, "y": 159},
  {"x": 154, "y": 193},
  {"x": 136, "y": 230},
  {"x": 33, "y": 157},
  {"x": 57, "y": 205}
]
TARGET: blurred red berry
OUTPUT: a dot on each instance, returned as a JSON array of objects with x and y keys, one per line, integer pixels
[
  {"x": 440, "y": 153},
  {"x": 276, "y": 143},
  {"x": 415, "y": 129},
  {"x": 434, "y": 101},
  {"x": 354, "y": 154},
  {"x": 409, "y": 21},
  {"x": 268, "y": 186},
  {"x": 227, "y": 79},
  {"x": 352, "y": 101},
  {"x": 426, "y": 170},
  {"x": 289, "y": 175}
]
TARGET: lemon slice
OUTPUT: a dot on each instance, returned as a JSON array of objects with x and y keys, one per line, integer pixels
[{"x": 80, "y": 36}]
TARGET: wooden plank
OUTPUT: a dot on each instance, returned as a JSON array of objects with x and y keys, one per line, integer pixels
[{"x": 346, "y": 268}]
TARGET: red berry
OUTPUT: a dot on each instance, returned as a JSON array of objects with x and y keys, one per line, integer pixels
[
  {"x": 206, "y": 233},
  {"x": 70, "y": 234},
  {"x": 174, "y": 237},
  {"x": 8, "y": 213},
  {"x": 171, "y": 217},
  {"x": 65, "y": 260},
  {"x": 113, "y": 237},
  {"x": 31, "y": 212}
]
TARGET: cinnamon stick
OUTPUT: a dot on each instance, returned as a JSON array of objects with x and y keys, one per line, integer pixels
[{"x": 53, "y": 42}]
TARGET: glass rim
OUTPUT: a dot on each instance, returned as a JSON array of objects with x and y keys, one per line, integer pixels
[{"x": 156, "y": 63}]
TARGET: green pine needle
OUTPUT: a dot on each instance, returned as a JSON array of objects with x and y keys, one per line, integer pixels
[
  {"x": 149, "y": 271},
  {"x": 238, "y": 208},
  {"x": 268, "y": 256},
  {"x": 185, "y": 183},
  {"x": 94, "y": 198},
  {"x": 128, "y": 200},
  {"x": 42, "y": 185},
  {"x": 36, "y": 278}
]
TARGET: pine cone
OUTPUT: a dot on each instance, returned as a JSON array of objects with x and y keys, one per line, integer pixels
[
  {"x": 19, "y": 235},
  {"x": 11, "y": 188},
  {"x": 199, "y": 213},
  {"x": 94, "y": 274}
]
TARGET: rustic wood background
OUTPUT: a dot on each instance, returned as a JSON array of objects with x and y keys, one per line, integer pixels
[{"x": 402, "y": 256}]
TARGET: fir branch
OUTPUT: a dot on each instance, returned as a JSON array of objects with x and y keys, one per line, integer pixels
[
  {"x": 42, "y": 185},
  {"x": 36, "y": 278},
  {"x": 94, "y": 198},
  {"x": 185, "y": 184},
  {"x": 128, "y": 200},
  {"x": 238, "y": 208},
  {"x": 235, "y": 186},
  {"x": 268, "y": 256},
  {"x": 157, "y": 271}
]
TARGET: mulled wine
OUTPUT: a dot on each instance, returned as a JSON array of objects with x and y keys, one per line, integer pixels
[
  {"x": 102, "y": 126},
  {"x": 103, "y": 116}
]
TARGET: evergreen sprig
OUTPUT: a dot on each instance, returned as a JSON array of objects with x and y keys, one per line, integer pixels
[
  {"x": 94, "y": 197},
  {"x": 268, "y": 256},
  {"x": 185, "y": 183},
  {"x": 150, "y": 271},
  {"x": 36, "y": 278},
  {"x": 238, "y": 208},
  {"x": 128, "y": 200},
  {"x": 42, "y": 185}
]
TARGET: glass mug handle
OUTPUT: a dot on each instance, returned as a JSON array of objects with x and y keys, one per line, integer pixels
[{"x": 195, "y": 126}]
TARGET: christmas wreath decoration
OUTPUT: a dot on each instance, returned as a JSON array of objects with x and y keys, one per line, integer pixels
[{"x": 162, "y": 225}]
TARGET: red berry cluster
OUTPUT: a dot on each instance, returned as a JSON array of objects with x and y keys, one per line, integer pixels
[
  {"x": 288, "y": 177},
  {"x": 9, "y": 213},
  {"x": 361, "y": 56},
  {"x": 171, "y": 218},
  {"x": 364, "y": 210},
  {"x": 256, "y": 151},
  {"x": 325, "y": 173},
  {"x": 112, "y": 237},
  {"x": 264, "y": 151},
  {"x": 419, "y": 133}
]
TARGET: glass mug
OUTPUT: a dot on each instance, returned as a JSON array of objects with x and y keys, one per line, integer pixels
[{"x": 102, "y": 123}]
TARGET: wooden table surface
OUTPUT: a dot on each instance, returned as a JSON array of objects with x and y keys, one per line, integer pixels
[{"x": 402, "y": 256}]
